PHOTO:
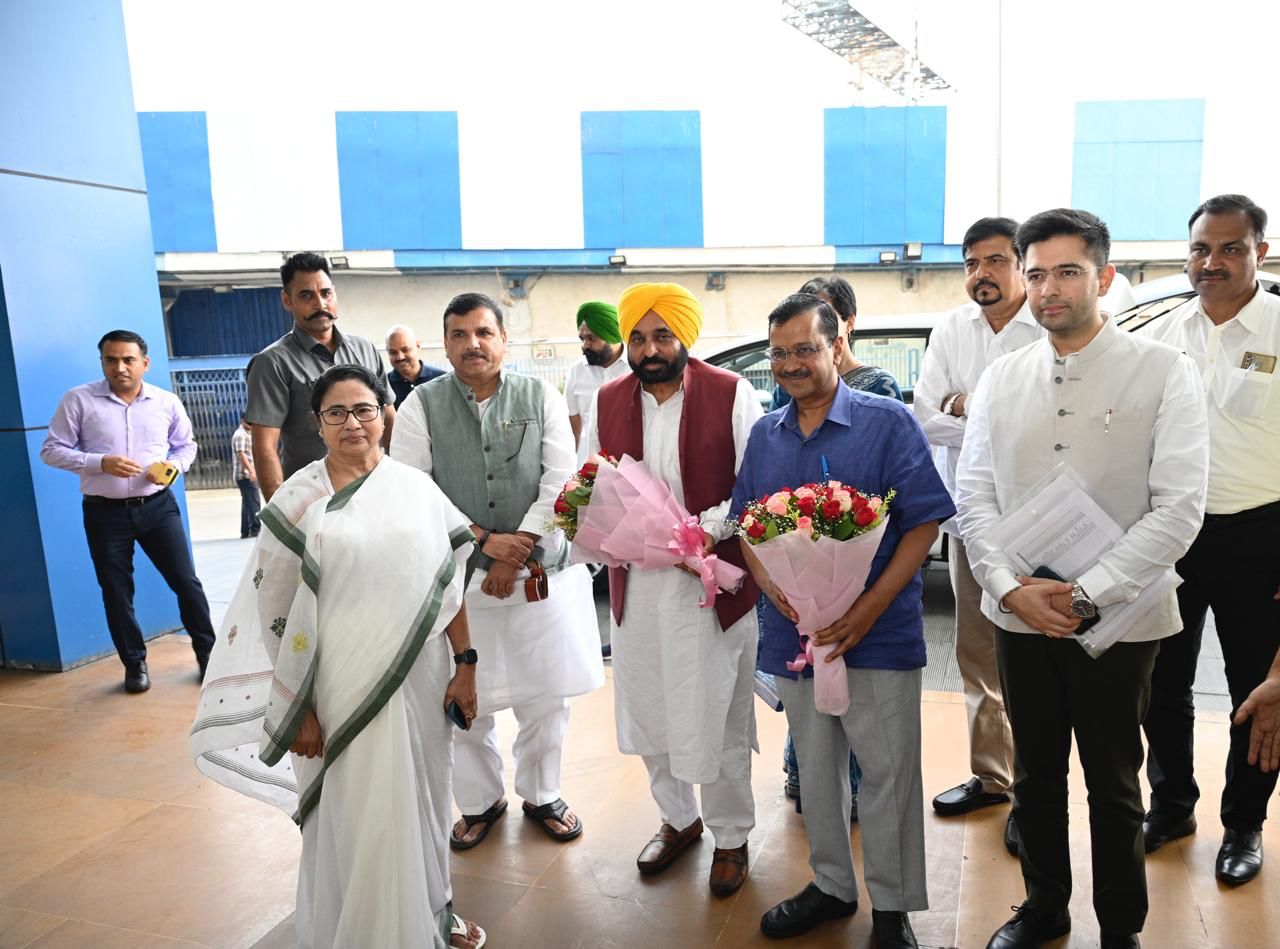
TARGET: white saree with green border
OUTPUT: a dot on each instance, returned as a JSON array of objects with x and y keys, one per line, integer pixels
[{"x": 341, "y": 608}]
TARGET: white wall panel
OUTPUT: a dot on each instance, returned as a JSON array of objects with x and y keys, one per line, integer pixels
[
  {"x": 762, "y": 175},
  {"x": 274, "y": 182},
  {"x": 521, "y": 176}
]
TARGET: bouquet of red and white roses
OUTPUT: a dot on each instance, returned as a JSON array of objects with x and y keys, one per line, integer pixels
[
  {"x": 577, "y": 494},
  {"x": 817, "y": 544},
  {"x": 619, "y": 514}
]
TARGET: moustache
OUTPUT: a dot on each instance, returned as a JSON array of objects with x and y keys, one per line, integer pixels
[
  {"x": 985, "y": 283},
  {"x": 473, "y": 354},
  {"x": 795, "y": 374},
  {"x": 319, "y": 313},
  {"x": 1220, "y": 274}
]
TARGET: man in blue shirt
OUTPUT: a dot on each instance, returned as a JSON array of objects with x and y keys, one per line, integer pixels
[{"x": 875, "y": 445}]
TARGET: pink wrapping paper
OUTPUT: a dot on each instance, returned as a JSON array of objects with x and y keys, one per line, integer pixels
[
  {"x": 821, "y": 579},
  {"x": 634, "y": 521}
]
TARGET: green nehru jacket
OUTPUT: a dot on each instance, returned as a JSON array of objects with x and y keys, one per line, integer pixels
[{"x": 601, "y": 320}]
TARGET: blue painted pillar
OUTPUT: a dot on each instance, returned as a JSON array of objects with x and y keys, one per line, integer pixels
[{"x": 76, "y": 260}]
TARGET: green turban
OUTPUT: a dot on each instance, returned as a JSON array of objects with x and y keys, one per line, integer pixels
[{"x": 602, "y": 320}]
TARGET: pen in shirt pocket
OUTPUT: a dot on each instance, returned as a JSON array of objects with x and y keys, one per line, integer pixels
[{"x": 1106, "y": 423}]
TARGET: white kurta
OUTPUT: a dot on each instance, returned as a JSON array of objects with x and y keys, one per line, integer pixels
[
  {"x": 529, "y": 652},
  {"x": 674, "y": 669}
]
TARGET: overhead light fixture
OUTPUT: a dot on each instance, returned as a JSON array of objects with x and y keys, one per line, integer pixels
[
  {"x": 715, "y": 280},
  {"x": 912, "y": 250},
  {"x": 617, "y": 260},
  {"x": 222, "y": 288},
  {"x": 888, "y": 256},
  {"x": 339, "y": 263}
]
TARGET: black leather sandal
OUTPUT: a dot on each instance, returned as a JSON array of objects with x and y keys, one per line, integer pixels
[
  {"x": 553, "y": 811},
  {"x": 488, "y": 818}
]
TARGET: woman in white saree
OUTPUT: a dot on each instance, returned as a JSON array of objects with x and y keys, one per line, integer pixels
[{"x": 327, "y": 691}]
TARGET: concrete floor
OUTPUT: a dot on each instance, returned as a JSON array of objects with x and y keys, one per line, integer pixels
[{"x": 110, "y": 838}]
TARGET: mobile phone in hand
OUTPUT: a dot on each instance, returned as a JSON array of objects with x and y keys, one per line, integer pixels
[{"x": 457, "y": 716}]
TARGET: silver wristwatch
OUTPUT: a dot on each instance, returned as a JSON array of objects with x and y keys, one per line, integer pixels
[{"x": 1081, "y": 605}]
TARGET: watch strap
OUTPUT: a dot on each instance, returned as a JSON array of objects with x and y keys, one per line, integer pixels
[{"x": 467, "y": 657}]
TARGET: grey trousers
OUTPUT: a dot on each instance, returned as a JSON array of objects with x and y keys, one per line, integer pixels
[{"x": 882, "y": 727}]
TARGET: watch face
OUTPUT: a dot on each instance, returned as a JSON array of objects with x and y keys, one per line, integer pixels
[{"x": 1084, "y": 609}]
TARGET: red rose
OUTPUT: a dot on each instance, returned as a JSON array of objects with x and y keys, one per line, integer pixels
[
  {"x": 806, "y": 506},
  {"x": 859, "y": 502},
  {"x": 590, "y": 469},
  {"x": 864, "y": 516},
  {"x": 563, "y": 506},
  {"x": 831, "y": 509},
  {"x": 756, "y": 529}
]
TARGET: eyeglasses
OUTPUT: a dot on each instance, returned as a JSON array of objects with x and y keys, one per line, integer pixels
[
  {"x": 1037, "y": 278},
  {"x": 337, "y": 415},
  {"x": 804, "y": 352}
]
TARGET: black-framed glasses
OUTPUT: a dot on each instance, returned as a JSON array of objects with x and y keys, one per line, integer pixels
[
  {"x": 804, "y": 352},
  {"x": 337, "y": 414}
]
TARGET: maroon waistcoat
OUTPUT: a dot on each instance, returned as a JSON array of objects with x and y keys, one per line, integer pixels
[{"x": 707, "y": 456}]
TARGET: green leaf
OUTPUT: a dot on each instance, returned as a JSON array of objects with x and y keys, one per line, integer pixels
[
  {"x": 843, "y": 529},
  {"x": 770, "y": 530}
]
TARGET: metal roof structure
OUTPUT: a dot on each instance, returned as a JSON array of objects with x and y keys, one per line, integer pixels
[{"x": 838, "y": 26}]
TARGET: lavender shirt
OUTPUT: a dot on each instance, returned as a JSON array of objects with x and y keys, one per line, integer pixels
[{"x": 91, "y": 423}]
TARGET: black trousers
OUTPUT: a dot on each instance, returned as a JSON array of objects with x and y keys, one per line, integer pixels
[
  {"x": 1052, "y": 690},
  {"x": 156, "y": 526},
  {"x": 1233, "y": 568},
  {"x": 250, "y": 504}
]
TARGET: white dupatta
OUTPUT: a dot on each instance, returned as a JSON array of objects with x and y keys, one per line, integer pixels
[{"x": 336, "y": 630}]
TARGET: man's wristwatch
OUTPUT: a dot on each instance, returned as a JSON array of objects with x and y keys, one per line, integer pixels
[
  {"x": 467, "y": 657},
  {"x": 1081, "y": 605}
]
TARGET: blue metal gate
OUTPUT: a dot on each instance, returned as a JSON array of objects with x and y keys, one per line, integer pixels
[{"x": 215, "y": 399}]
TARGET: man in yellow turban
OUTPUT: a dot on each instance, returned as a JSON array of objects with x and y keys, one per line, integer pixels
[
  {"x": 689, "y": 422},
  {"x": 601, "y": 361},
  {"x": 673, "y": 304}
]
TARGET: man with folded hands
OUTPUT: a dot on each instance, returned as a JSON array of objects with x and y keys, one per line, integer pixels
[
  {"x": 1126, "y": 415},
  {"x": 683, "y": 675},
  {"x": 831, "y": 431}
]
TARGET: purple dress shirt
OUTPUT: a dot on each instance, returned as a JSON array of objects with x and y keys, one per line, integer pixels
[{"x": 92, "y": 422}]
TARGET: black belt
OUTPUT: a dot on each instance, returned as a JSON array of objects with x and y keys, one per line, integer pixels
[
  {"x": 1265, "y": 509},
  {"x": 124, "y": 502}
]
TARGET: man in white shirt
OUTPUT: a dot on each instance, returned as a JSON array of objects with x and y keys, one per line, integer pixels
[
  {"x": 601, "y": 361},
  {"x": 964, "y": 343},
  {"x": 1126, "y": 415},
  {"x": 498, "y": 444},
  {"x": 1232, "y": 331}
]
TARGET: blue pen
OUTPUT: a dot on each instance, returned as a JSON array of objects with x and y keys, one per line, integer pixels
[{"x": 826, "y": 472}]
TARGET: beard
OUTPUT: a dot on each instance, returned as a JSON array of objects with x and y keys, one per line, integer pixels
[
  {"x": 999, "y": 294},
  {"x": 596, "y": 357},
  {"x": 656, "y": 369}
]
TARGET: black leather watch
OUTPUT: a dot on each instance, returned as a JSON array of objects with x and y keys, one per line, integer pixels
[{"x": 467, "y": 657}]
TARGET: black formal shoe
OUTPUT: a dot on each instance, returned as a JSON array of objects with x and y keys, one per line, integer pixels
[
  {"x": 966, "y": 797},
  {"x": 1158, "y": 831},
  {"x": 1030, "y": 928},
  {"x": 1120, "y": 941},
  {"x": 804, "y": 911},
  {"x": 893, "y": 930},
  {"x": 1239, "y": 857},
  {"x": 136, "y": 678},
  {"x": 1011, "y": 839},
  {"x": 203, "y": 663}
]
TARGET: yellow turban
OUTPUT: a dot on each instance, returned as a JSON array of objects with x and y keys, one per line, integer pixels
[{"x": 678, "y": 308}]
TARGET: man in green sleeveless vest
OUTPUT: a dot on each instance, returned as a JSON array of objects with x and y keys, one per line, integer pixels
[
  {"x": 683, "y": 676},
  {"x": 499, "y": 445}
]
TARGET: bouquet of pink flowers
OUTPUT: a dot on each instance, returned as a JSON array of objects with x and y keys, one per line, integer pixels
[
  {"x": 817, "y": 544},
  {"x": 629, "y": 518}
]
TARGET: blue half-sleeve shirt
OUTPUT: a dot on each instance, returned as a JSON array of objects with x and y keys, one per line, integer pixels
[{"x": 873, "y": 444}]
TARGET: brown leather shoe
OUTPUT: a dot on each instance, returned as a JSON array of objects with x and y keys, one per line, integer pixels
[
  {"x": 660, "y": 852},
  {"x": 728, "y": 870}
]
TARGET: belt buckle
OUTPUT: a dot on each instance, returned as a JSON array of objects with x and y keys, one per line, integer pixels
[{"x": 135, "y": 502}]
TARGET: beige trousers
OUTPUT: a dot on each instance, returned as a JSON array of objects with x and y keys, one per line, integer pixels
[{"x": 990, "y": 740}]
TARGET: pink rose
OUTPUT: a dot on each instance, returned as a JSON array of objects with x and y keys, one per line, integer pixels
[
  {"x": 573, "y": 484},
  {"x": 834, "y": 484},
  {"x": 804, "y": 493},
  {"x": 748, "y": 520},
  {"x": 805, "y": 525},
  {"x": 845, "y": 499},
  {"x": 874, "y": 504},
  {"x": 777, "y": 503}
]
